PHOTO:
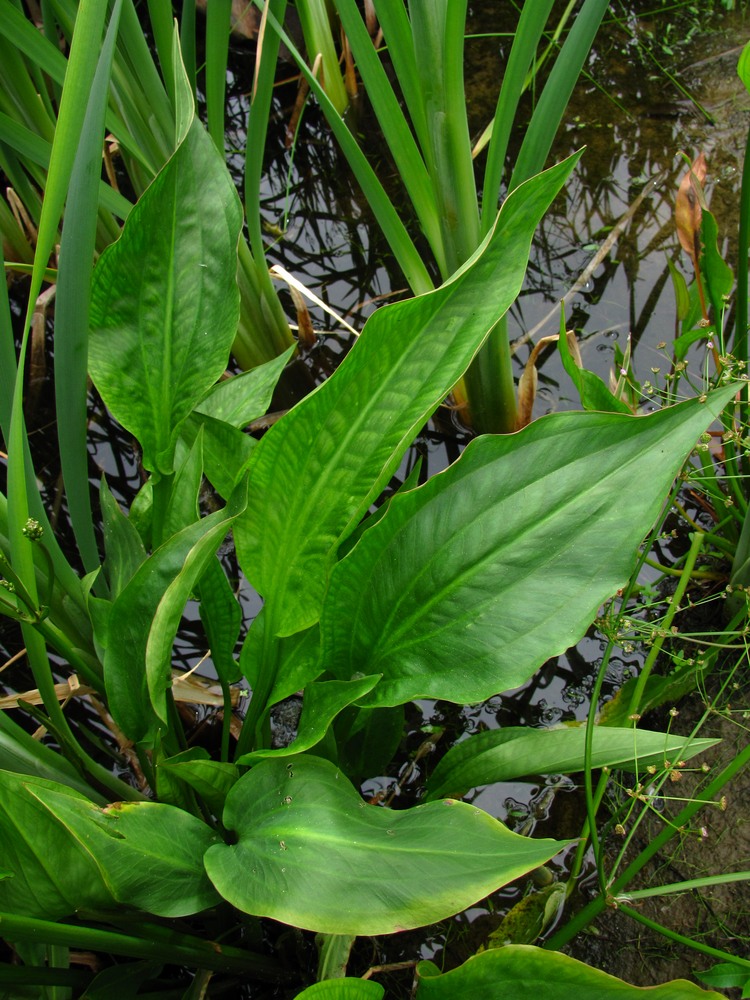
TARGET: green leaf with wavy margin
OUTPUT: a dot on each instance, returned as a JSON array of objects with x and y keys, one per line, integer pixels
[
  {"x": 311, "y": 853},
  {"x": 471, "y": 582},
  {"x": 527, "y": 973},
  {"x": 316, "y": 472}
]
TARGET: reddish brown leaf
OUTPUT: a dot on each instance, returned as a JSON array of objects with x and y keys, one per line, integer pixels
[{"x": 688, "y": 207}]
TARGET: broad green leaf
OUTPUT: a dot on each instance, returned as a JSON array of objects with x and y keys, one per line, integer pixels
[
  {"x": 149, "y": 854},
  {"x": 145, "y": 618},
  {"x": 245, "y": 397},
  {"x": 317, "y": 470},
  {"x": 53, "y": 874},
  {"x": 343, "y": 989},
  {"x": 311, "y": 853},
  {"x": 298, "y": 655},
  {"x": 165, "y": 304},
  {"x": 472, "y": 581},
  {"x": 322, "y": 703},
  {"x": 211, "y": 779},
  {"x": 527, "y": 973},
  {"x": 506, "y": 754}
]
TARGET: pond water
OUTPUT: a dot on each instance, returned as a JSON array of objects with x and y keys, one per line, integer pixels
[{"x": 634, "y": 121}]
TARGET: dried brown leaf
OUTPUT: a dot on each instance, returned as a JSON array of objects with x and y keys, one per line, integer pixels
[{"x": 688, "y": 211}]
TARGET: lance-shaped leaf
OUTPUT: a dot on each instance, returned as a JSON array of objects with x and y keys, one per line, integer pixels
[
  {"x": 513, "y": 752},
  {"x": 527, "y": 973},
  {"x": 311, "y": 853},
  {"x": 716, "y": 272},
  {"x": 317, "y": 470},
  {"x": 144, "y": 620},
  {"x": 469, "y": 583},
  {"x": 164, "y": 302}
]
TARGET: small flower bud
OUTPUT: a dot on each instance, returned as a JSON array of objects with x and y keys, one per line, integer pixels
[{"x": 32, "y": 530}]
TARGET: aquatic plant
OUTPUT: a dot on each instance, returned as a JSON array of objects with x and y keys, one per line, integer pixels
[{"x": 143, "y": 846}]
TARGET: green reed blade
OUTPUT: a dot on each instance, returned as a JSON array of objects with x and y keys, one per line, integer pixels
[
  {"x": 33, "y": 150},
  {"x": 257, "y": 125},
  {"x": 22, "y": 491},
  {"x": 187, "y": 40},
  {"x": 551, "y": 107},
  {"x": 158, "y": 942},
  {"x": 318, "y": 34},
  {"x": 218, "y": 21},
  {"x": 72, "y": 306},
  {"x": 525, "y": 41},
  {"x": 438, "y": 30},
  {"x": 162, "y": 25},
  {"x": 394, "y": 125}
]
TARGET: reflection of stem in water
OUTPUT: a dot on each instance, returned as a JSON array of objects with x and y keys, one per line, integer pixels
[{"x": 587, "y": 273}]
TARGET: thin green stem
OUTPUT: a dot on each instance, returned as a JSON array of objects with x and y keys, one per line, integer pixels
[
  {"x": 226, "y": 723},
  {"x": 583, "y": 842},
  {"x": 697, "y": 574},
  {"x": 687, "y": 942},
  {"x": 696, "y": 541},
  {"x": 594, "y": 800},
  {"x": 85, "y": 666},
  {"x": 169, "y": 946}
]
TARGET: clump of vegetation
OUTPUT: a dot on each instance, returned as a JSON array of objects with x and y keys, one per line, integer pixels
[{"x": 161, "y": 852}]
